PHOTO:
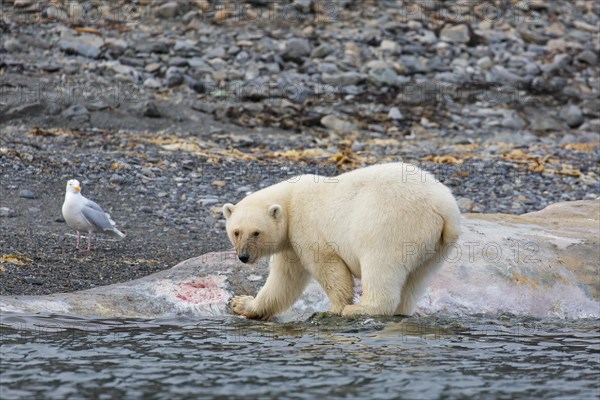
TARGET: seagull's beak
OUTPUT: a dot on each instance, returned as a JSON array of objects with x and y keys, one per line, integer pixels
[{"x": 77, "y": 188}]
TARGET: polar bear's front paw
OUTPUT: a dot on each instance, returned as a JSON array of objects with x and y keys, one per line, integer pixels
[{"x": 244, "y": 305}]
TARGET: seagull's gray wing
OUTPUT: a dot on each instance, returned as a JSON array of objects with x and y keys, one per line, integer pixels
[
  {"x": 96, "y": 217},
  {"x": 93, "y": 205},
  {"x": 96, "y": 207}
]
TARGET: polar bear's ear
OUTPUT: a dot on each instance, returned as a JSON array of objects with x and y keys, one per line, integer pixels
[
  {"x": 227, "y": 210},
  {"x": 276, "y": 212}
]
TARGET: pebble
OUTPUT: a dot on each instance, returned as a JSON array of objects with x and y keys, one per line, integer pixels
[
  {"x": 12, "y": 45},
  {"x": 27, "y": 194},
  {"x": 395, "y": 114},
  {"x": 126, "y": 72},
  {"x": 572, "y": 115},
  {"x": 117, "y": 179},
  {"x": 513, "y": 120},
  {"x": 327, "y": 69},
  {"x": 6, "y": 212},
  {"x": 390, "y": 45},
  {"x": 77, "y": 112},
  {"x": 504, "y": 76},
  {"x": 174, "y": 77},
  {"x": 152, "y": 83},
  {"x": 209, "y": 202},
  {"x": 23, "y": 3},
  {"x": 53, "y": 109},
  {"x": 559, "y": 62},
  {"x": 485, "y": 63},
  {"x": 336, "y": 124},
  {"x": 181, "y": 47},
  {"x": 455, "y": 33},
  {"x": 71, "y": 68},
  {"x": 383, "y": 77},
  {"x": 321, "y": 51},
  {"x": 168, "y": 10},
  {"x": 33, "y": 280},
  {"x": 244, "y": 189},
  {"x": 150, "y": 109},
  {"x": 343, "y": 79},
  {"x": 242, "y": 57},
  {"x": 50, "y": 67},
  {"x": 215, "y": 52},
  {"x": 541, "y": 121},
  {"x": 86, "y": 45},
  {"x": 153, "y": 67},
  {"x": 24, "y": 110},
  {"x": 588, "y": 57},
  {"x": 296, "y": 50},
  {"x": 133, "y": 62},
  {"x": 116, "y": 46}
]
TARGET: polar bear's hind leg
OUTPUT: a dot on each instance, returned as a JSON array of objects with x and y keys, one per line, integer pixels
[
  {"x": 381, "y": 288},
  {"x": 415, "y": 285}
]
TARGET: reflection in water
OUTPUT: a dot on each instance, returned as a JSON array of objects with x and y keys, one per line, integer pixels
[{"x": 326, "y": 356}]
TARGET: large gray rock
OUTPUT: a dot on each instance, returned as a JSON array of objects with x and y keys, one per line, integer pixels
[
  {"x": 542, "y": 264},
  {"x": 77, "y": 112},
  {"x": 383, "y": 77},
  {"x": 541, "y": 120},
  {"x": 343, "y": 79},
  {"x": 296, "y": 50},
  {"x": 455, "y": 34},
  {"x": 337, "y": 124},
  {"x": 168, "y": 10},
  {"x": 12, "y": 45},
  {"x": 86, "y": 45},
  {"x": 588, "y": 57},
  {"x": 572, "y": 115}
]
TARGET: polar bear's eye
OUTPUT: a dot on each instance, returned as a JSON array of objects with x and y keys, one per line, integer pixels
[
  {"x": 255, "y": 234},
  {"x": 236, "y": 233}
]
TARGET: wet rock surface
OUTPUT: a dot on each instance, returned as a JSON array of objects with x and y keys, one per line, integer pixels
[{"x": 166, "y": 110}]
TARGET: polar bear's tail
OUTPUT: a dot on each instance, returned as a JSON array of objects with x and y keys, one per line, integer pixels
[
  {"x": 451, "y": 230},
  {"x": 450, "y": 213}
]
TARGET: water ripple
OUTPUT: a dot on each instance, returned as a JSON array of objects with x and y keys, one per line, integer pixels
[{"x": 329, "y": 357}]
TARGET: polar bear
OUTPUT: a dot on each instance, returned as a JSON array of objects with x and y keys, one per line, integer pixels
[{"x": 389, "y": 225}]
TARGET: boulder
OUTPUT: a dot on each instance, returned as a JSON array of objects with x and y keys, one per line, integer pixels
[{"x": 541, "y": 264}]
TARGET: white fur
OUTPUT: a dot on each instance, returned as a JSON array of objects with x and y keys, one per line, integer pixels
[{"x": 389, "y": 225}]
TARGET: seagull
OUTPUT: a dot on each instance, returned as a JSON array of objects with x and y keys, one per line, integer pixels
[{"x": 84, "y": 215}]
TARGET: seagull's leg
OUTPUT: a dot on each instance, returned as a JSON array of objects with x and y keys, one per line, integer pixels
[
  {"x": 89, "y": 241},
  {"x": 78, "y": 239}
]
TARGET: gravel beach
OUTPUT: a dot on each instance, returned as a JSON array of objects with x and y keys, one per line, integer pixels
[{"x": 167, "y": 110}]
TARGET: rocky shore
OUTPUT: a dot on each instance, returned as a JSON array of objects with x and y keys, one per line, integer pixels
[{"x": 166, "y": 110}]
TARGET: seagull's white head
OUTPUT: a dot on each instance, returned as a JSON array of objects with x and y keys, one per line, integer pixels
[{"x": 73, "y": 186}]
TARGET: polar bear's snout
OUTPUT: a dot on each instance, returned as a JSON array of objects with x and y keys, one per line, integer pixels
[{"x": 249, "y": 252}]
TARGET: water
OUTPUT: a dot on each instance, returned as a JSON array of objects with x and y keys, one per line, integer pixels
[{"x": 326, "y": 357}]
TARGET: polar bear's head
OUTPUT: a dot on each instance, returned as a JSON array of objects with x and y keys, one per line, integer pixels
[{"x": 255, "y": 230}]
